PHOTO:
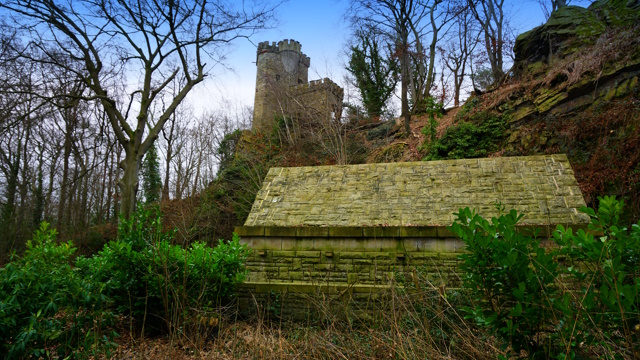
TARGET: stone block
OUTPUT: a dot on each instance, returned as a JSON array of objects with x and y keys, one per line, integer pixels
[
  {"x": 283, "y": 260},
  {"x": 384, "y": 244},
  {"x": 346, "y": 231},
  {"x": 352, "y": 278},
  {"x": 340, "y": 244},
  {"x": 310, "y": 261},
  {"x": 312, "y": 231},
  {"x": 308, "y": 254},
  {"x": 297, "y": 244},
  {"x": 262, "y": 243},
  {"x": 378, "y": 268},
  {"x": 381, "y": 231},
  {"x": 418, "y": 231},
  {"x": 283, "y": 254},
  {"x": 280, "y": 231},
  {"x": 296, "y": 275},
  {"x": 448, "y": 256},
  {"x": 343, "y": 267},
  {"x": 246, "y": 231},
  {"x": 443, "y": 231},
  {"x": 323, "y": 267},
  {"x": 296, "y": 265},
  {"x": 384, "y": 261}
]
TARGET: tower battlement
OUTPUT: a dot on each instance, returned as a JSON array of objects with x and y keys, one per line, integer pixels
[
  {"x": 289, "y": 45},
  {"x": 280, "y": 46},
  {"x": 284, "y": 45},
  {"x": 320, "y": 84}
]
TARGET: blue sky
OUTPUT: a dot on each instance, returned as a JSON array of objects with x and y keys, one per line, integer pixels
[{"x": 320, "y": 27}]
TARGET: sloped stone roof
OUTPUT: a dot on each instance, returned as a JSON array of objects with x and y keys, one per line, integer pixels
[{"x": 426, "y": 193}]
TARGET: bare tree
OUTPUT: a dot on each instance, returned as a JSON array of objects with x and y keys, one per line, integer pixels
[
  {"x": 491, "y": 18},
  {"x": 157, "y": 41},
  {"x": 440, "y": 14},
  {"x": 395, "y": 19},
  {"x": 549, "y": 6},
  {"x": 457, "y": 51}
]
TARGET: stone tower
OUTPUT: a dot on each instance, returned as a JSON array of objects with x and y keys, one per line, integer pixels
[
  {"x": 279, "y": 67},
  {"x": 283, "y": 87}
]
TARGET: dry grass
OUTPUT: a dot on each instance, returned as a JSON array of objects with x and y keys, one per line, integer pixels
[
  {"x": 422, "y": 323},
  {"x": 414, "y": 319},
  {"x": 615, "y": 46}
]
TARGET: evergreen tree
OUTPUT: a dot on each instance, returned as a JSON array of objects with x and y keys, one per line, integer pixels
[
  {"x": 151, "y": 181},
  {"x": 376, "y": 76}
]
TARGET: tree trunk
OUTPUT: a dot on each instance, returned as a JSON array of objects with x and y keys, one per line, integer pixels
[
  {"x": 65, "y": 174},
  {"x": 24, "y": 185},
  {"x": 6, "y": 219},
  {"x": 102, "y": 189},
  {"x": 405, "y": 89},
  {"x": 432, "y": 59},
  {"x": 52, "y": 173},
  {"x": 128, "y": 184},
  {"x": 456, "y": 92},
  {"x": 109, "y": 186},
  {"x": 432, "y": 49},
  {"x": 169, "y": 139}
]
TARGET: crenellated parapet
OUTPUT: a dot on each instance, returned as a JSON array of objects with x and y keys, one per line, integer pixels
[
  {"x": 289, "y": 45},
  {"x": 281, "y": 46},
  {"x": 321, "y": 84}
]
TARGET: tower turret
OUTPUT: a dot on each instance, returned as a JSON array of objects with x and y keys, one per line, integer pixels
[
  {"x": 280, "y": 66},
  {"x": 283, "y": 88}
]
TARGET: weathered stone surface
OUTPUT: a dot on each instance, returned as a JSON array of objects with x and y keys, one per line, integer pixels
[
  {"x": 561, "y": 47},
  {"x": 366, "y": 265},
  {"x": 543, "y": 188},
  {"x": 569, "y": 22},
  {"x": 571, "y": 27}
]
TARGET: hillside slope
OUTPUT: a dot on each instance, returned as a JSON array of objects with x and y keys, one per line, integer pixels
[{"x": 574, "y": 89}]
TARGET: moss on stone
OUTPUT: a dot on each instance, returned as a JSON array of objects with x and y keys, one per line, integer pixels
[
  {"x": 346, "y": 231},
  {"x": 276, "y": 231},
  {"x": 249, "y": 230},
  {"x": 308, "y": 231}
]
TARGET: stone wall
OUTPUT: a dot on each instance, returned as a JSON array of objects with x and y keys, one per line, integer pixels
[
  {"x": 349, "y": 263},
  {"x": 365, "y": 255},
  {"x": 317, "y": 101},
  {"x": 343, "y": 233},
  {"x": 292, "y": 269},
  {"x": 425, "y": 193}
]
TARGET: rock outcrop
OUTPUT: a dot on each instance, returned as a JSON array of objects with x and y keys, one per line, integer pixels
[
  {"x": 579, "y": 58},
  {"x": 575, "y": 88}
]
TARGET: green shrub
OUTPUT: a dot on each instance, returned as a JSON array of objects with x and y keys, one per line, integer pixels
[
  {"x": 587, "y": 307},
  {"x": 380, "y": 132},
  {"x": 46, "y": 308},
  {"x": 512, "y": 278},
  {"x": 160, "y": 283},
  {"x": 468, "y": 106},
  {"x": 478, "y": 137},
  {"x": 605, "y": 262},
  {"x": 433, "y": 109}
]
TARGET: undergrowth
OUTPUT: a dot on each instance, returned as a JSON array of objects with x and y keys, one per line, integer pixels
[
  {"x": 585, "y": 306},
  {"x": 480, "y": 135},
  {"x": 52, "y": 305},
  {"x": 47, "y": 309},
  {"x": 520, "y": 297}
]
